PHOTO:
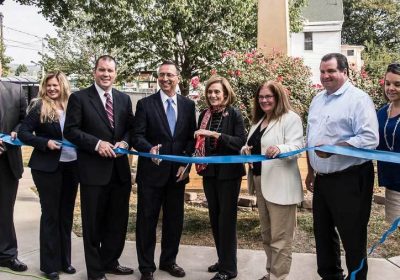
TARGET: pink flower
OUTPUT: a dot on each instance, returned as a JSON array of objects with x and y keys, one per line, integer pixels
[
  {"x": 195, "y": 81},
  {"x": 237, "y": 73},
  {"x": 317, "y": 86},
  {"x": 381, "y": 82},
  {"x": 230, "y": 72},
  {"x": 248, "y": 60},
  {"x": 279, "y": 78}
]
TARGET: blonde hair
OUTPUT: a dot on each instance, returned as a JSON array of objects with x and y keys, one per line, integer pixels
[
  {"x": 281, "y": 99},
  {"x": 229, "y": 95},
  {"x": 48, "y": 112}
]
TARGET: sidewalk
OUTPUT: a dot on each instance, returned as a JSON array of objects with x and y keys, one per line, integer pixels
[{"x": 194, "y": 260}]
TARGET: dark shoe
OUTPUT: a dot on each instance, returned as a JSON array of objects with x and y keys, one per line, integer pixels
[
  {"x": 98, "y": 278},
  {"x": 222, "y": 276},
  {"x": 147, "y": 276},
  {"x": 70, "y": 269},
  {"x": 52, "y": 276},
  {"x": 120, "y": 270},
  {"x": 174, "y": 270},
  {"x": 15, "y": 265},
  {"x": 214, "y": 267}
]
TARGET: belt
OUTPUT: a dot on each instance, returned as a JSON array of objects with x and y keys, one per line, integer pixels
[{"x": 348, "y": 169}]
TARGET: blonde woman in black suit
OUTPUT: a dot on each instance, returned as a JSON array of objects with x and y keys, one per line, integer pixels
[
  {"x": 221, "y": 132},
  {"x": 54, "y": 171}
]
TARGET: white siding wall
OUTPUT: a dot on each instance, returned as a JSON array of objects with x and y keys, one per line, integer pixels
[{"x": 323, "y": 42}]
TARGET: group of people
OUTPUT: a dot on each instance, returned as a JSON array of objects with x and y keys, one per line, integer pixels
[{"x": 99, "y": 119}]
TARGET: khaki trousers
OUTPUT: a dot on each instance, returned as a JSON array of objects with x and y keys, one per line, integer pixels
[{"x": 278, "y": 223}]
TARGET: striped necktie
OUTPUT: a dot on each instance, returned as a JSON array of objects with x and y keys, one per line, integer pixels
[{"x": 109, "y": 109}]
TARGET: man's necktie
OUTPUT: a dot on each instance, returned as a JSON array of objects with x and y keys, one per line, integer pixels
[
  {"x": 109, "y": 109},
  {"x": 171, "y": 115}
]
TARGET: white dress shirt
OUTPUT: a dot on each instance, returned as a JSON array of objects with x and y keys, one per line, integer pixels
[
  {"x": 101, "y": 92},
  {"x": 347, "y": 115}
]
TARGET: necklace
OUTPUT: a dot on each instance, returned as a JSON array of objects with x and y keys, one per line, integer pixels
[{"x": 394, "y": 130}]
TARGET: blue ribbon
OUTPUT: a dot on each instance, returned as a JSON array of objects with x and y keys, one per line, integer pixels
[{"x": 393, "y": 227}]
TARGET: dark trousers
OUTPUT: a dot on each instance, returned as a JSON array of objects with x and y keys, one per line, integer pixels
[
  {"x": 342, "y": 204},
  {"x": 8, "y": 194},
  {"x": 57, "y": 192},
  {"x": 105, "y": 211},
  {"x": 222, "y": 197},
  {"x": 150, "y": 200}
]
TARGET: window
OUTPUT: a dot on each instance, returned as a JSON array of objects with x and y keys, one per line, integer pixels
[
  {"x": 350, "y": 52},
  {"x": 308, "y": 41}
]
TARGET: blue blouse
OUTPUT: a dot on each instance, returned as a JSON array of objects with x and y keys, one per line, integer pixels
[{"x": 388, "y": 173}]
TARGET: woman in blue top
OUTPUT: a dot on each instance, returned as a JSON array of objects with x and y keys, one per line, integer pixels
[{"x": 389, "y": 140}]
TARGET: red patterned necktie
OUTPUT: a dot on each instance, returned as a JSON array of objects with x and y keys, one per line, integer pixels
[{"x": 109, "y": 109}]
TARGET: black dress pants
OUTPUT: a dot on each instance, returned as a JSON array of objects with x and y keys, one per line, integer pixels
[
  {"x": 150, "y": 200},
  {"x": 105, "y": 211},
  {"x": 222, "y": 197},
  {"x": 341, "y": 207},
  {"x": 8, "y": 194},
  {"x": 57, "y": 192}
]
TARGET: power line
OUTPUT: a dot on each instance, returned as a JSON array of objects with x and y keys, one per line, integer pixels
[
  {"x": 23, "y": 32},
  {"x": 22, "y": 43},
  {"x": 14, "y": 46}
]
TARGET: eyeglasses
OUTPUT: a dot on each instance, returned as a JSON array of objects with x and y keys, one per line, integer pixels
[
  {"x": 266, "y": 97},
  {"x": 168, "y": 75}
]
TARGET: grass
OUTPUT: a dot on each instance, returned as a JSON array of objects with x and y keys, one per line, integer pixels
[{"x": 197, "y": 230}]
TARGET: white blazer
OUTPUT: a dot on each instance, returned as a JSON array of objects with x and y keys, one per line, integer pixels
[{"x": 280, "y": 178}]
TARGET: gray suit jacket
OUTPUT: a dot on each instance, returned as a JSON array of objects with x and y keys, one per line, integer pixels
[{"x": 12, "y": 112}]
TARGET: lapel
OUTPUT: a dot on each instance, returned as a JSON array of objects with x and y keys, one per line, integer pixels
[
  {"x": 179, "y": 121},
  {"x": 2, "y": 101},
  {"x": 117, "y": 105},
  {"x": 161, "y": 112},
  {"x": 270, "y": 125},
  {"x": 253, "y": 128},
  {"x": 98, "y": 105},
  {"x": 226, "y": 116}
]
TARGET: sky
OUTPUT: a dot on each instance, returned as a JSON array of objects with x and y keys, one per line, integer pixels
[{"x": 24, "y": 48}]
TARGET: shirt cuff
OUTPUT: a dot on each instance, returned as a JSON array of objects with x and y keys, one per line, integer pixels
[
  {"x": 97, "y": 146},
  {"x": 126, "y": 144}
]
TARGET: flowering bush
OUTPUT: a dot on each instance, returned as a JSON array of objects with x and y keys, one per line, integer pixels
[
  {"x": 374, "y": 87},
  {"x": 247, "y": 71}
]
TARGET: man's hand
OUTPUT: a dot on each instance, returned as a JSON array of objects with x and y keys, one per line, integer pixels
[
  {"x": 182, "y": 174},
  {"x": 122, "y": 145},
  {"x": 310, "y": 178},
  {"x": 106, "y": 149},
  {"x": 272, "y": 152},
  {"x": 53, "y": 145},
  {"x": 155, "y": 151},
  {"x": 1, "y": 147},
  {"x": 13, "y": 135}
]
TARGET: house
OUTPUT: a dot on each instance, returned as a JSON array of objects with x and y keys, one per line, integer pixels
[
  {"x": 321, "y": 33},
  {"x": 353, "y": 54}
]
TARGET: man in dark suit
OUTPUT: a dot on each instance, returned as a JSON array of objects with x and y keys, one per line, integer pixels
[
  {"x": 12, "y": 112},
  {"x": 164, "y": 123},
  {"x": 98, "y": 120}
]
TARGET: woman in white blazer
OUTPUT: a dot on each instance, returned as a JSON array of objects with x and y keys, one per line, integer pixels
[{"x": 277, "y": 184}]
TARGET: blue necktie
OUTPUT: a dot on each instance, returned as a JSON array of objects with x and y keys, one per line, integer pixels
[{"x": 171, "y": 115}]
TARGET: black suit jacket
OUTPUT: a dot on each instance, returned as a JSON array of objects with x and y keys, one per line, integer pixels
[
  {"x": 232, "y": 139},
  {"x": 86, "y": 123},
  {"x": 151, "y": 128},
  {"x": 42, "y": 158},
  {"x": 12, "y": 112}
]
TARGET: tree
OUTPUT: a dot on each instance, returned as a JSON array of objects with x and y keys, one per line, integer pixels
[
  {"x": 5, "y": 60},
  {"x": 21, "y": 69},
  {"x": 193, "y": 33},
  {"x": 374, "y": 21}
]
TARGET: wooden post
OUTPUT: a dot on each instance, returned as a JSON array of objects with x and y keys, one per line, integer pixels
[{"x": 273, "y": 26}]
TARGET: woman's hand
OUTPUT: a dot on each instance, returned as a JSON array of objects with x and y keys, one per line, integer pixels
[
  {"x": 273, "y": 152},
  {"x": 246, "y": 150},
  {"x": 206, "y": 133},
  {"x": 53, "y": 145}
]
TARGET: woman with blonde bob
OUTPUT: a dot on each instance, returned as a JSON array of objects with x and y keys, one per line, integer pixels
[
  {"x": 277, "y": 184},
  {"x": 54, "y": 171},
  {"x": 221, "y": 132}
]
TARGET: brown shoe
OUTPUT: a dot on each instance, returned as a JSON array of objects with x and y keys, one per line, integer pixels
[{"x": 173, "y": 269}]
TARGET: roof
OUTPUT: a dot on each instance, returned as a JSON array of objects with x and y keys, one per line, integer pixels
[
  {"x": 323, "y": 10},
  {"x": 20, "y": 80}
]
